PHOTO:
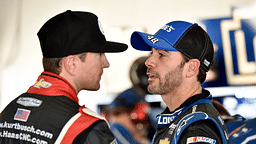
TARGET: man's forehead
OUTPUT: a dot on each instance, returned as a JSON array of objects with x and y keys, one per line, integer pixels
[{"x": 159, "y": 50}]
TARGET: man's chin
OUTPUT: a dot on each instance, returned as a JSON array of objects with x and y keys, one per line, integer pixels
[
  {"x": 152, "y": 90},
  {"x": 93, "y": 88}
]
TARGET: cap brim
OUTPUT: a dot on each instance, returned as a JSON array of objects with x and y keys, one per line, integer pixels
[
  {"x": 111, "y": 47},
  {"x": 144, "y": 42}
]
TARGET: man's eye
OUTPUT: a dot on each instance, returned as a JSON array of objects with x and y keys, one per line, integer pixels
[{"x": 161, "y": 55}]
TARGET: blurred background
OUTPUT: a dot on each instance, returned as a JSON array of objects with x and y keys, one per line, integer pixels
[{"x": 231, "y": 25}]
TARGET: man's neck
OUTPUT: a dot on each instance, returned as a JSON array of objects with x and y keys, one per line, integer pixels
[{"x": 175, "y": 98}]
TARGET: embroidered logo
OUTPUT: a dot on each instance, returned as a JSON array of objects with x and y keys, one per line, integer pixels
[
  {"x": 100, "y": 27},
  {"x": 167, "y": 119},
  {"x": 168, "y": 28},
  {"x": 164, "y": 141},
  {"x": 42, "y": 83},
  {"x": 153, "y": 39},
  {"x": 194, "y": 108},
  {"x": 22, "y": 115},
  {"x": 200, "y": 139},
  {"x": 28, "y": 101},
  {"x": 206, "y": 62},
  {"x": 172, "y": 128}
]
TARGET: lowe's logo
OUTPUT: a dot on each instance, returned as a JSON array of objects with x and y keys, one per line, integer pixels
[
  {"x": 165, "y": 120},
  {"x": 234, "y": 39}
]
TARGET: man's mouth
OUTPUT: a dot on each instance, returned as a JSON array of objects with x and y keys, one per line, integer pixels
[{"x": 151, "y": 76}]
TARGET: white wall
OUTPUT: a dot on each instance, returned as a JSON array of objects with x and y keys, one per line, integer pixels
[{"x": 20, "y": 20}]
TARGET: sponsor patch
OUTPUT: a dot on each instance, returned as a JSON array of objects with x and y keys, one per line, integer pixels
[
  {"x": 164, "y": 141},
  {"x": 42, "y": 83},
  {"x": 172, "y": 127},
  {"x": 28, "y": 101},
  {"x": 22, "y": 115},
  {"x": 167, "y": 119},
  {"x": 200, "y": 139}
]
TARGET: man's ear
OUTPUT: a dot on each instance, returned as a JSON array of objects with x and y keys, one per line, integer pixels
[
  {"x": 193, "y": 67},
  {"x": 69, "y": 64}
]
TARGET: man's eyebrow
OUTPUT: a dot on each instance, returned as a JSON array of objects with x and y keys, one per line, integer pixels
[{"x": 166, "y": 51}]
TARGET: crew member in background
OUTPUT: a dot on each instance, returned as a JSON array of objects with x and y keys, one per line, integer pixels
[
  {"x": 129, "y": 113},
  {"x": 73, "y": 47},
  {"x": 128, "y": 117}
]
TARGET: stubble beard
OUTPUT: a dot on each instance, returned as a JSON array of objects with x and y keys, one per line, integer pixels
[{"x": 171, "y": 81}]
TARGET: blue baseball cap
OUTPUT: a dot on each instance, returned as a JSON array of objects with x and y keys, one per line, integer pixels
[
  {"x": 187, "y": 38},
  {"x": 127, "y": 98}
]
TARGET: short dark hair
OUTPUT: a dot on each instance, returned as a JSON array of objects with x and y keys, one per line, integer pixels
[
  {"x": 201, "y": 77},
  {"x": 53, "y": 64}
]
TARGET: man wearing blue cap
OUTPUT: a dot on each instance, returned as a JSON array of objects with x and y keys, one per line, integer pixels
[
  {"x": 182, "y": 53},
  {"x": 128, "y": 116},
  {"x": 74, "y": 47}
]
